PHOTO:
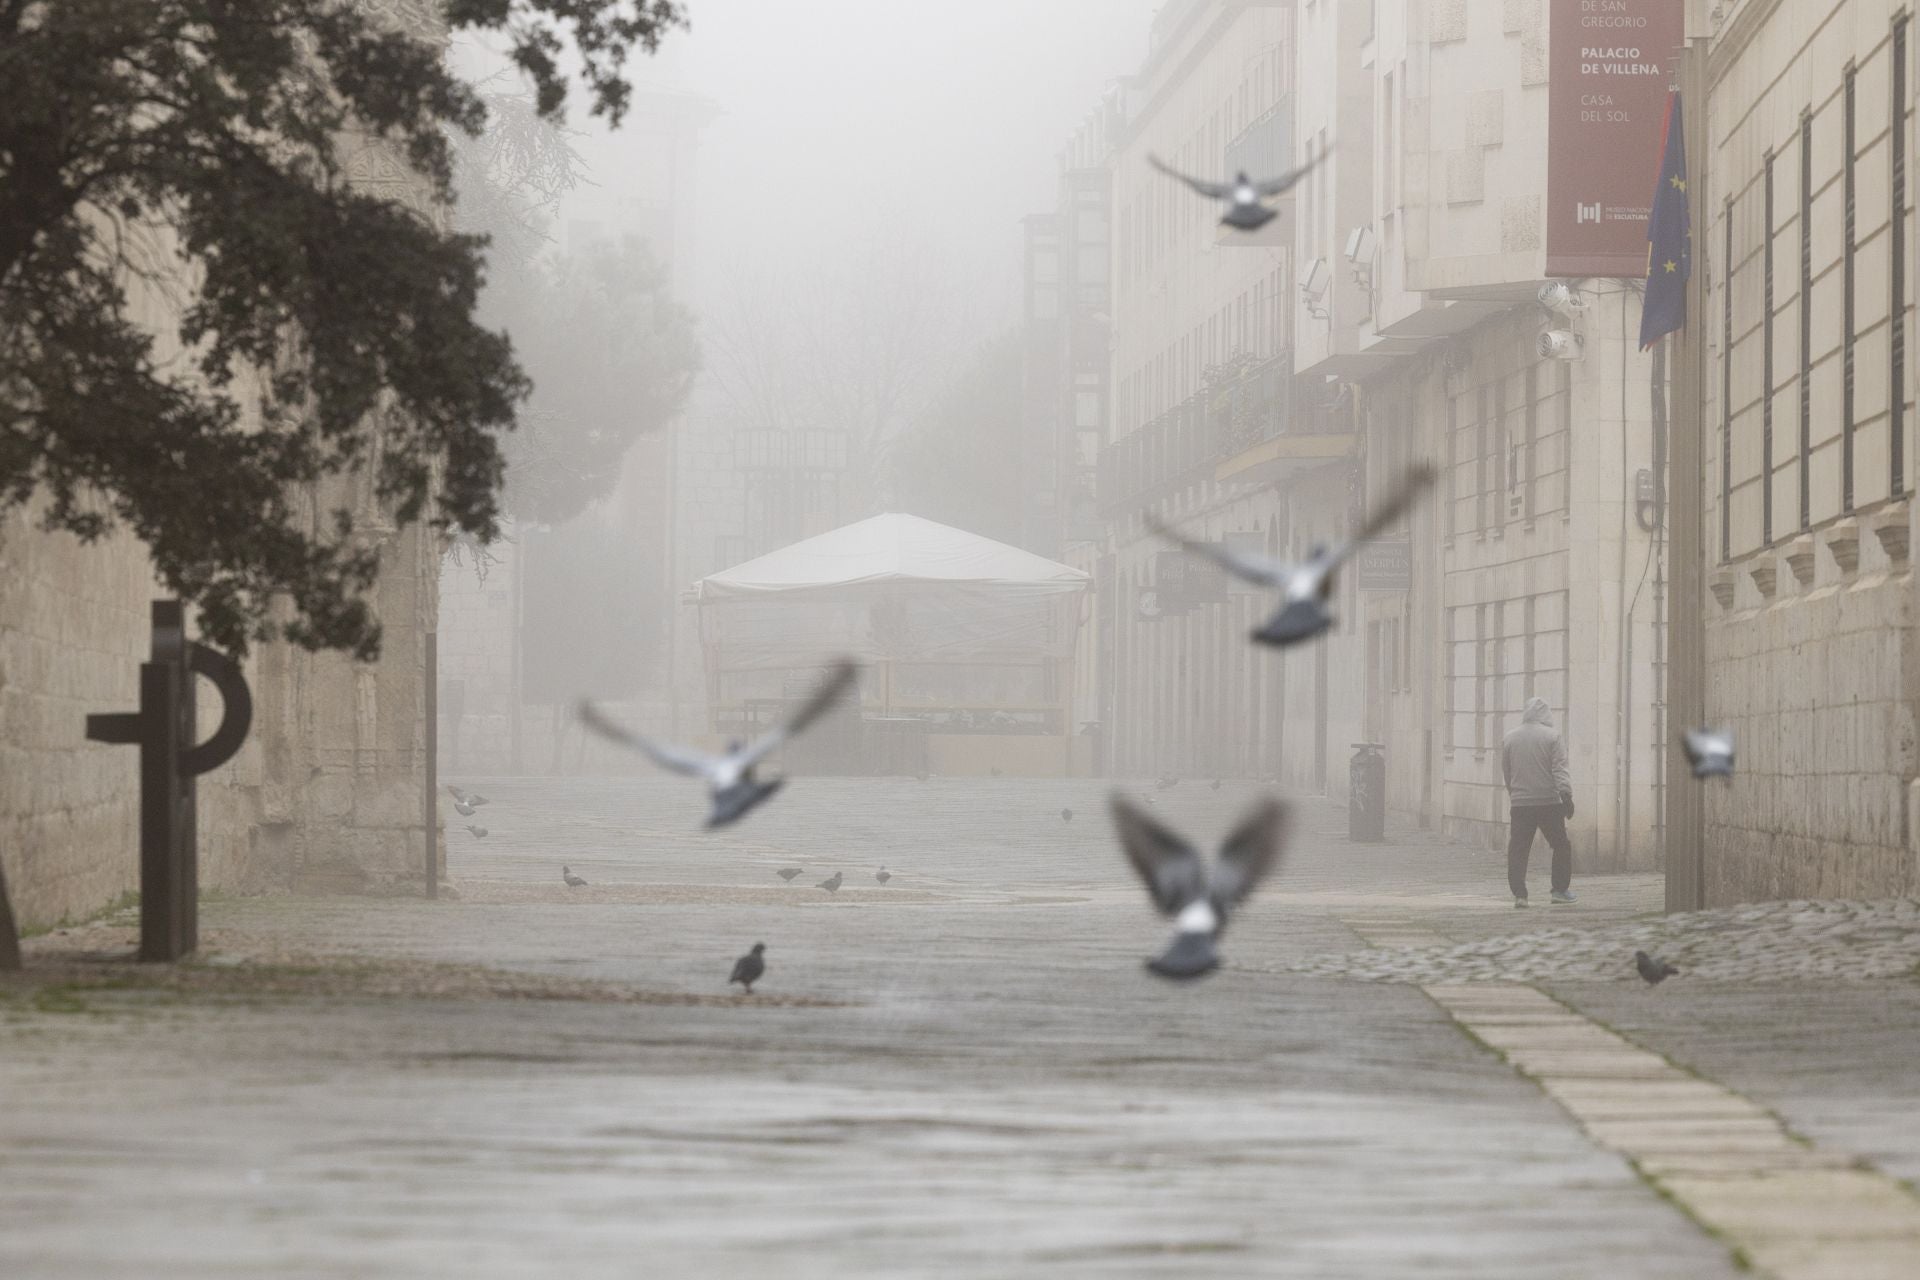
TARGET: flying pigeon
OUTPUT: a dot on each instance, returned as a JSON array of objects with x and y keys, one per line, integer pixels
[
  {"x": 1066, "y": 815},
  {"x": 1710, "y": 752},
  {"x": 730, "y": 778},
  {"x": 831, "y": 884},
  {"x": 466, "y": 797},
  {"x": 788, "y": 873},
  {"x": 478, "y": 831},
  {"x": 573, "y": 881},
  {"x": 748, "y": 968},
  {"x": 1182, "y": 886},
  {"x": 1306, "y": 588},
  {"x": 1245, "y": 212},
  {"x": 463, "y": 808},
  {"x": 883, "y": 875},
  {"x": 1654, "y": 971}
]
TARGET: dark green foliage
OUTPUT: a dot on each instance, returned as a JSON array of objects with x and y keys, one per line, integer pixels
[{"x": 202, "y": 146}]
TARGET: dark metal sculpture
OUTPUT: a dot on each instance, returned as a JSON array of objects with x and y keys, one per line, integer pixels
[{"x": 171, "y": 757}]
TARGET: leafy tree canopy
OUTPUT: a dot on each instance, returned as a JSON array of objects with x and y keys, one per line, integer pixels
[{"x": 202, "y": 145}]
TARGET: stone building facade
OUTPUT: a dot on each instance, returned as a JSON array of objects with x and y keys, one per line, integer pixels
[
  {"x": 327, "y": 793},
  {"x": 1806, "y": 424}
]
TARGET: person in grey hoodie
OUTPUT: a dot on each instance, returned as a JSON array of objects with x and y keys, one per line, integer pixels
[{"x": 1534, "y": 762}]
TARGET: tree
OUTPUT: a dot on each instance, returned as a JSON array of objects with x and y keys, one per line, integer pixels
[
  {"x": 323, "y": 330},
  {"x": 613, "y": 358},
  {"x": 951, "y": 464}
]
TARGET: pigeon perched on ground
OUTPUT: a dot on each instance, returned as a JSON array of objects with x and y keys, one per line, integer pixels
[
  {"x": 1066, "y": 815},
  {"x": 883, "y": 875},
  {"x": 748, "y": 968},
  {"x": 1245, "y": 212},
  {"x": 573, "y": 881},
  {"x": 1183, "y": 887},
  {"x": 478, "y": 831},
  {"x": 1306, "y": 588},
  {"x": 1710, "y": 752},
  {"x": 831, "y": 884},
  {"x": 1654, "y": 971},
  {"x": 730, "y": 777},
  {"x": 1166, "y": 781},
  {"x": 788, "y": 873},
  {"x": 994, "y": 771},
  {"x": 1214, "y": 785}
]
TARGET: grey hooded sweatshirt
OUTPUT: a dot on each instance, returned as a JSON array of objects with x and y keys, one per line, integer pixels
[{"x": 1534, "y": 760}]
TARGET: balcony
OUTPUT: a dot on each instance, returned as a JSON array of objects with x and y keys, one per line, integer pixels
[{"x": 1196, "y": 438}]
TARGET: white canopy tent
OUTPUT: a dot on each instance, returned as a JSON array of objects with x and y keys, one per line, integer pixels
[
  {"x": 893, "y": 588},
  {"x": 966, "y": 635}
]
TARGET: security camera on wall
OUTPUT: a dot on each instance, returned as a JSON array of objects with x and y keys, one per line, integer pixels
[
  {"x": 1555, "y": 295},
  {"x": 1559, "y": 344},
  {"x": 1314, "y": 285}
]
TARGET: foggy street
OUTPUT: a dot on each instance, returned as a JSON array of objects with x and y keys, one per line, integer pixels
[{"x": 1022, "y": 1099}]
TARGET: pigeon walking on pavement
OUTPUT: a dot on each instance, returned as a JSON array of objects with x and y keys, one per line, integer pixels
[
  {"x": 1066, "y": 815},
  {"x": 480, "y": 832},
  {"x": 1244, "y": 196},
  {"x": 1305, "y": 588},
  {"x": 1710, "y": 752},
  {"x": 1655, "y": 971},
  {"x": 1198, "y": 898},
  {"x": 748, "y": 968},
  {"x": 730, "y": 777},
  {"x": 788, "y": 873},
  {"x": 831, "y": 884},
  {"x": 883, "y": 875},
  {"x": 573, "y": 881}
]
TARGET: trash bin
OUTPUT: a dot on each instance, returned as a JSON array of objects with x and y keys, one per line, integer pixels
[{"x": 1367, "y": 793}]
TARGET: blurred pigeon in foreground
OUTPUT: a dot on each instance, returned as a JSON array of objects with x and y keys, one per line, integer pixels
[
  {"x": 788, "y": 873},
  {"x": 1243, "y": 194},
  {"x": 1066, "y": 815},
  {"x": 573, "y": 881},
  {"x": 1654, "y": 971},
  {"x": 1710, "y": 752},
  {"x": 478, "y": 831},
  {"x": 748, "y": 968},
  {"x": 1306, "y": 588},
  {"x": 831, "y": 884},
  {"x": 883, "y": 875},
  {"x": 730, "y": 777},
  {"x": 1182, "y": 886}
]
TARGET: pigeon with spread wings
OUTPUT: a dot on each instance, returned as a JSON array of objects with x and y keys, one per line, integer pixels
[
  {"x": 1244, "y": 196},
  {"x": 730, "y": 777},
  {"x": 1710, "y": 752},
  {"x": 1198, "y": 898},
  {"x": 1305, "y": 588}
]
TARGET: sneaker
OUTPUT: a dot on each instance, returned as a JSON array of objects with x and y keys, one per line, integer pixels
[
  {"x": 1563, "y": 899},
  {"x": 1519, "y": 902}
]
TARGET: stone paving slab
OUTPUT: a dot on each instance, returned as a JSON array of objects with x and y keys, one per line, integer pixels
[{"x": 986, "y": 1084}]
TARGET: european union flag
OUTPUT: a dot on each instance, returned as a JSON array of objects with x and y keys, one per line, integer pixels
[{"x": 1669, "y": 244}]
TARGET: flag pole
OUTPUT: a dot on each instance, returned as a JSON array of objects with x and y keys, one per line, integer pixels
[{"x": 1686, "y": 617}]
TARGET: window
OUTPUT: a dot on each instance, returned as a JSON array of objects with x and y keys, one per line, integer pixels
[
  {"x": 1726, "y": 386},
  {"x": 1847, "y": 143},
  {"x": 1897, "y": 275},
  {"x": 1806, "y": 319},
  {"x": 1766, "y": 355},
  {"x": 1389, "y": 156}
]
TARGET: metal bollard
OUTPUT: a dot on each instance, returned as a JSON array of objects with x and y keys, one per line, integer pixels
[{"x": 164, "y": 730}]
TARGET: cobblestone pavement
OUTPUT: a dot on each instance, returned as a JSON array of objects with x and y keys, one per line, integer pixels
[{"x": 966, "y": 1072}]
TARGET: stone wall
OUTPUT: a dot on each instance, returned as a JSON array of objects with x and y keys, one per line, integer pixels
[{"x": 1815, "y": 679}]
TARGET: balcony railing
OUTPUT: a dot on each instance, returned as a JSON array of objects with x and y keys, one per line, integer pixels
[{"x": 1187, "y": 442}]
